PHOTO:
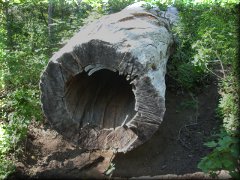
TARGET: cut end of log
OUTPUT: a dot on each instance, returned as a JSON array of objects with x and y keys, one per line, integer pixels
[{"x": 105, "y": 89}]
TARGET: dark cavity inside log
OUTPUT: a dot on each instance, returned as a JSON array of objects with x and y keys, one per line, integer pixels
[{"x": 104, "y": 99}]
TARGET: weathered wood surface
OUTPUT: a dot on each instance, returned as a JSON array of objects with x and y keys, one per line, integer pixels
[{"x": 105, "y": 88}]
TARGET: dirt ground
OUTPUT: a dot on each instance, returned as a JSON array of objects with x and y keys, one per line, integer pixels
[{"x": 173, "y": 152}]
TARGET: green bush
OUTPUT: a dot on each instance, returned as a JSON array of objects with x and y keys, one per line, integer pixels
[
  {"x": 11, "y": 134},
  {"x": 188, "y": 76},
  {"x": 118, "y": 5},
  {"x": 206, "y": 39},
  {"x": 224, "y": 156},
  {"x": 6, "y": 167}
]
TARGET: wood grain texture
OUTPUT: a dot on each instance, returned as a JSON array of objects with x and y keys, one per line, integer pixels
[{"x": 105, "y": 88}]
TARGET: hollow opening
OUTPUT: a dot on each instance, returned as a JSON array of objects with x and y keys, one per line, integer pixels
[{"x": 104, "y": 99}]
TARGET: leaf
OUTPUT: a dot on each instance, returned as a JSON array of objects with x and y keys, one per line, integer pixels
[
  {"x": 225, "y": 142},
  {"x": 211, "y": 144},
  {"x": 228, "y": 164},
  {"x": 235, "y": 151}
]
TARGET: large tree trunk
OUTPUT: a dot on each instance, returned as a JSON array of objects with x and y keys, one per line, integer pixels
[{"x": 105, "y": 89}]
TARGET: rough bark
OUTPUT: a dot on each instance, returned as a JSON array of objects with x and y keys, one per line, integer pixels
[{"x": 105, "y": 89}]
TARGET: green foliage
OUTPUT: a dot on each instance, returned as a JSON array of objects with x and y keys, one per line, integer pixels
[
  {"x": 216, "y": 42},
  {"x": 118, "y": 5},
  {"x": 228, "y": 106},
  {"x": 24, "y": 51},
  {"x": 205, "y": 38},
  {"x": 188, "y": 75},
  {"x": 10, "y": 135},
  {"x": 206, "y": 45},
  {"x": 181, "y": 67},
  {"x": 6, "y": 167},
  {"x": 210, "y": 43},
  {"x": 5, "y": 164},
  {"x": 161, "y": 4},
  {"x": 96, "y": 5},
  {"x": 224, "y": 156},
  {"x": 26, "y": 103},
  {"x": 107, "y": 6}
]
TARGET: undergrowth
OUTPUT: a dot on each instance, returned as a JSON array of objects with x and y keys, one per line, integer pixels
[{"x": 207, "y": 46}]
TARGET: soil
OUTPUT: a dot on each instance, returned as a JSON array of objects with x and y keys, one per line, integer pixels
[{"x": 173, "y": 152}]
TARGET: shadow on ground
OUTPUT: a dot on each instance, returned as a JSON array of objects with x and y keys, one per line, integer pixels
[{"x": 177, "y": 146}]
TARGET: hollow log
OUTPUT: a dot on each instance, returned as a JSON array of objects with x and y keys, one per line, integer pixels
[{"x": 105, "y": 89}]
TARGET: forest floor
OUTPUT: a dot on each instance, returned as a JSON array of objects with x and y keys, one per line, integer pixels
[{"x": 173, "y": 152}]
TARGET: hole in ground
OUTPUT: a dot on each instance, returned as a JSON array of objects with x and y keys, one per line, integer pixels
[{"x": 104, "y": 99}]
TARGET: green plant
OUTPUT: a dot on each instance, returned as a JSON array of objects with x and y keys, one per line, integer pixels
[
  {"x": 225, "y": 155},
  {"x": 96, "y": 5},
  {"x": 23, "y": 55},
  {"x": 11, "y": 135},
  {"x": 26, "y": 103},
  {"x": 118, "y": 5},
  {"x": 188, "y": 75},
  {"x": 6, "y": 167},
  {"x": 228, "y": 107},
  {"x": 216, "y": 47},
  {"x": 206, "y": 45}
]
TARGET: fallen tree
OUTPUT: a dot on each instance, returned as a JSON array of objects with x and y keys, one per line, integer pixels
[{"x": 105, "y": 89}]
